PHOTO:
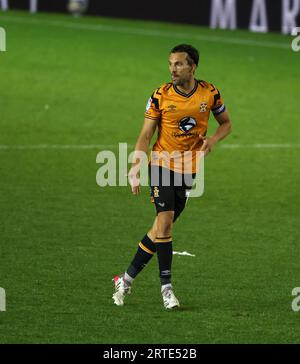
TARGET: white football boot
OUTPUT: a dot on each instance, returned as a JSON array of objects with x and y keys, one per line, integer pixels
[
  {"x": 122, "y": 288},
  {"x": 170, "y": 301}
]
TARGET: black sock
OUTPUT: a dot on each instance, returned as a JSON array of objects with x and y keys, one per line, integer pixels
[
  {"x": 164, "y": 254},
  {"x": 143, "y": 255}
]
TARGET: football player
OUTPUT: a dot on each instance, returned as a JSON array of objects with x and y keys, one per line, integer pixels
[{"x": 180, "y": 111}]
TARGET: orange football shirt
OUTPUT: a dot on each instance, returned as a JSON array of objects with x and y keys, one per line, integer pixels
[{"x": 181, "y": 118}]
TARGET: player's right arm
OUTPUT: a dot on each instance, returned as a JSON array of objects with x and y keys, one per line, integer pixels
[{"x": 140, "y": 152}]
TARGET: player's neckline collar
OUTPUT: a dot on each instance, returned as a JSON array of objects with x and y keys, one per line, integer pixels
[{"x": 183, "y": 93}]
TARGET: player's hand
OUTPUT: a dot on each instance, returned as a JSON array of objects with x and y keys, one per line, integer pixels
[
  {"x": 134, "y": 181},
  {"x": 207, "y": 145}
]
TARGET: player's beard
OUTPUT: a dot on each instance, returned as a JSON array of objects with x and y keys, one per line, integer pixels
[{"x": 180, "y": 81}]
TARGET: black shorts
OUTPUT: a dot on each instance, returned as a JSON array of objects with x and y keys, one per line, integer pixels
[{"x": 169, "y": 190}]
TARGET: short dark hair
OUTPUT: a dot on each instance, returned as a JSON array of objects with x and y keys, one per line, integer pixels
[{"x": 193, "y": 54}]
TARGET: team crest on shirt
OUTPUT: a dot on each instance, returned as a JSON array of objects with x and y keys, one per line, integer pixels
[
  {"x": 186, "y": 124},
  {"x": 155, "y": 192},
  {"x": 203, "y": 107}
]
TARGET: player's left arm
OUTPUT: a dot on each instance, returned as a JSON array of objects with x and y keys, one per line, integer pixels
[
  {"x": 222, "y": 131},
  {"x": 218, "y": 109}
]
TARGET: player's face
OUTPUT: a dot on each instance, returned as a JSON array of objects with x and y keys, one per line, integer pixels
[{"x": 181, "y": 71}]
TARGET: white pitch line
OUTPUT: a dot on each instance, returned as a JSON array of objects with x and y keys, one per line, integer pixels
[
  {"x": 147, "y": 32},
  {"x": 114, "y": 146},
  {"x": 260, "y": 146},
  {"x": 59, "y": 146}
]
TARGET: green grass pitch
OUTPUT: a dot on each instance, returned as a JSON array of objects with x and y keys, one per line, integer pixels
[{"x": 67, "y": 81}]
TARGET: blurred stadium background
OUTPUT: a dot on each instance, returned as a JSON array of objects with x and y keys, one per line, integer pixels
[{"x": 73, "y": 86}]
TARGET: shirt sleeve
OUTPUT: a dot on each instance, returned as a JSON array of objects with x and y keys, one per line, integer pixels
[
  {"x": 217, "y": 105},
  {"x": 153, "y": 106}
]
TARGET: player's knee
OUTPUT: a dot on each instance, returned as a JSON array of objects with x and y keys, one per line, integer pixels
[
  {"x": 165, "y": 231},
  {"x": 164, "y": 223},
  {"x": 152, "y": 233}
]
